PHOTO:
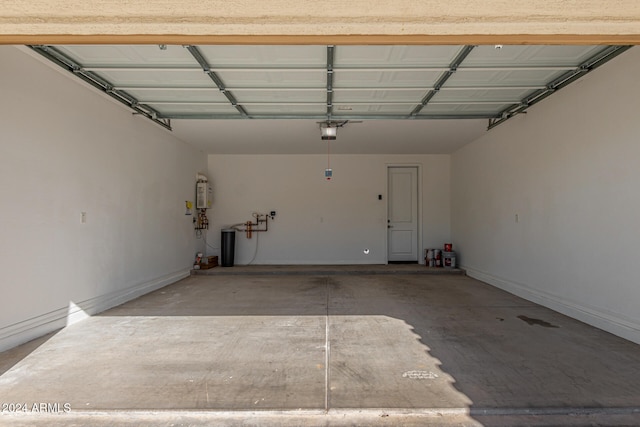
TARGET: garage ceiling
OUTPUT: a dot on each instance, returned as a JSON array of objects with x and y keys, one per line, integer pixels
[{"x": 170, "y": 83}]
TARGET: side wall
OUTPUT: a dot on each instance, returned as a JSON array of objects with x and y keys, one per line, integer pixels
[
  {"x": 65, "y": 150},
  {"x": 569, "y": 171},
  {"x": 320, "y": 222}
]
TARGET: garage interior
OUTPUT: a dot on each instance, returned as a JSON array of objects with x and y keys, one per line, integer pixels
[{"x": 519, "y": 150}]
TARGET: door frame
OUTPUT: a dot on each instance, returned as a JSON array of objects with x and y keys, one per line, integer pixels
[{"x": 420, "y": 239}]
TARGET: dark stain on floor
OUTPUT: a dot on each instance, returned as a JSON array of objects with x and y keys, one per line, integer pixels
[{"x": 539, "y": 322}]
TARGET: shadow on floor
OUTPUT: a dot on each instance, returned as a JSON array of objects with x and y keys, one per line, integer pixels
[
  {"x": 406, "y": 342},
  {"x": 11, "y": 357},
  {"x": 498, "y": 350}
]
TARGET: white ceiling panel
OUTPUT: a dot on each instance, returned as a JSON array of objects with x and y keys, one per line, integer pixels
[
  {"x": 328, "y": 82},
  {"x": 394, "y": 56},
  {"x": 133, "y": 55},
  {"x": 281, "y": 95},
  {"x": 497, "y": 77},
  {"x": 291, "y": 109},
  {"x": 412, "y": 95},
  {"x": 462, "y": 109},
  {"x": 274, "y": 79},
  {"x": 156, "y": 78},
  {"x": 374, "y": 77},
  {"x": 373, "y": 109},
  {"x": 482, "y": 95},
  {"x": 182, "y": 94},
  {"x": 515, "y": 56},
  {"x": 194, "y": 109},
  {"x": 266, "y": 56}
]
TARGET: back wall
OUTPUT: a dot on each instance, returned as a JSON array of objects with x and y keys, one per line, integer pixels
[{"x": 320, "y": 222}]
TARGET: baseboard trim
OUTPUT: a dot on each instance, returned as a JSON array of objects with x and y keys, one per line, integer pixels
[
  {"x": 622, "y": 327},
  {"x": 29, "y": 329}
]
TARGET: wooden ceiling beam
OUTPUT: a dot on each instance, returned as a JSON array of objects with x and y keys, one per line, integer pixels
[{"x": 425, "y": 22}]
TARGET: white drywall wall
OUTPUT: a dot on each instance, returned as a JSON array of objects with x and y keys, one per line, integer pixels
[
  {"x": 67, "y": 149},
  {"x": 569, "y": 170},
  {"x": 320, "y": 222}
]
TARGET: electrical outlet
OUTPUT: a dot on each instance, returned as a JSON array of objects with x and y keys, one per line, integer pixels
[{"x": 83, "y": 217}]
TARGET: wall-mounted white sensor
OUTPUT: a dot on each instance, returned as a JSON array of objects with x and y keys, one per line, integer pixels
[
  {"x": 498, "y": 46},
  {"x": 366, "y": 251}
]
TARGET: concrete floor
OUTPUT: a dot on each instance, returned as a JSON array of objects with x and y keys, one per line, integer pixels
[{"x": 306, "y": 348}]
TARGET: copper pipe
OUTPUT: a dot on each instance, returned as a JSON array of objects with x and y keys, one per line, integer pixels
[{"x": 248, "y": 225}]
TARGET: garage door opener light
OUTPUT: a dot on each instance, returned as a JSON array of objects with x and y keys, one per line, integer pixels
[{"x": 328, "y": 132}]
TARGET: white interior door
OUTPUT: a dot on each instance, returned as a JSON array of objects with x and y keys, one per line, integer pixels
[{"x": 402, "y": 215}]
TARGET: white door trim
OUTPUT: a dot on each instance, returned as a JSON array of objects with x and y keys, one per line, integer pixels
[{"x": 386, "y": 234}]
